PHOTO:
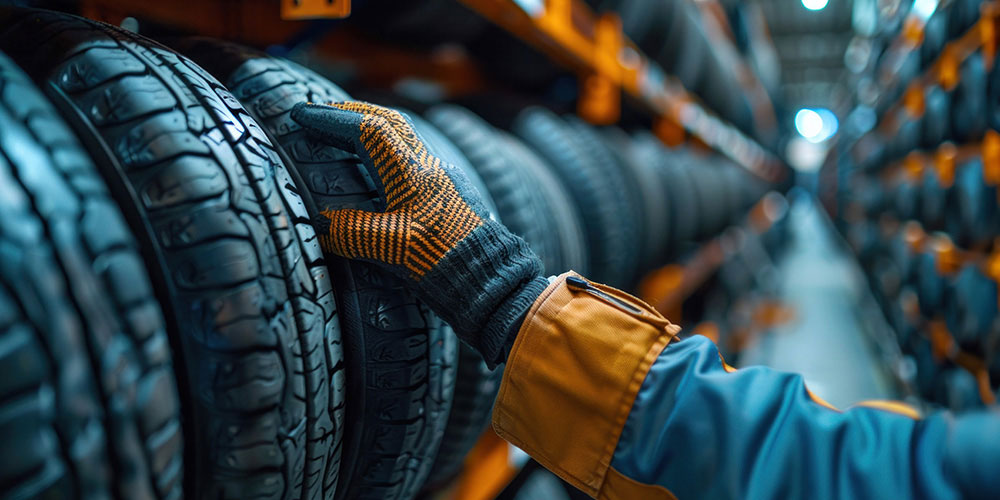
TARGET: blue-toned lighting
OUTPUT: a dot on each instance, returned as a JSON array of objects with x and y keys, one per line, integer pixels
[
  {"x": 814, "y": 4},
  {"x": 816, "y": 125}
]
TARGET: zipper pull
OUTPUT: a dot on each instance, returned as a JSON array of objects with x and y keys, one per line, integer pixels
[{"x": 581, "y": 285}]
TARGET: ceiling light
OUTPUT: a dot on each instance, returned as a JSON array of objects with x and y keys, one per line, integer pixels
[
  {"x": 814, "y": 4},
  {"x": 816, "y": 125}
]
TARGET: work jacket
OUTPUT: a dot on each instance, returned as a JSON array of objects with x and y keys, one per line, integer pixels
[{"x": 600, "y": 391}]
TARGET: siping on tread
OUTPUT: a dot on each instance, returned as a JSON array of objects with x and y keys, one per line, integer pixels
[
  {"x": 400, "y": 357},
  {"x": 247, "y": 289},
  {"x": 88, "y": 405}
]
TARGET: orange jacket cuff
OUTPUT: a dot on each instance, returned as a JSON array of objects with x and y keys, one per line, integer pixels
[{"x": 572, "y": 376}]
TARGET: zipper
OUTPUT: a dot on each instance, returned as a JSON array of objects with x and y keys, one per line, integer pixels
[{"x": 581, "y": 285}]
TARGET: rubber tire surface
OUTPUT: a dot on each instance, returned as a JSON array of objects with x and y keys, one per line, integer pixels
[
  {"x": 401, "y": 357},
  {"x": 476, "y": 388},
  {"x": 89, "y": 403},
  {"x": 626, "y": 194},
  {"x": 230, "y": 244},
  {"x": 676, "y": 183},
  {"x": 557, "y": 212},
  {"x": 654, "y": 205},
  {"x": 504, "y": 179},
  {"x": 972, "y": 210},
  {"x": 969, "y": 104},
  {"x": 607, "y": 236}
]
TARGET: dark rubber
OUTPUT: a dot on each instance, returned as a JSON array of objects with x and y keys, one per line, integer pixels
[
  {"x": 556, "y": 212},
  {"x": 644, "y": 184},
  {"x": 607, "y": 234},
  {"x": 627, "y": 200},
  {"x": 88, "y": 402},
  {"x": 676, "y": 184},
  {"x": 229, "y": 243},
  {"x": 476, "y": 388},
  {"x": 400, "y": 356}
]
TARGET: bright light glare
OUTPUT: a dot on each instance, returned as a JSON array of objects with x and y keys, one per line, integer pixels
[
  {"x": 814, "y": 4},
  {"x": 816, "y": 125},
  {"x": 808, "y": 123}
]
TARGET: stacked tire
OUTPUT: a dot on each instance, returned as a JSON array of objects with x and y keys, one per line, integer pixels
[
  {"x": 90, "y": 405},
  {"x": 928, "y": 196}
]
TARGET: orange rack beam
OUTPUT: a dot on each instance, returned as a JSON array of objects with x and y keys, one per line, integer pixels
[
  {"x": 609, "y": 64},
  {"x": 668, "y": 287}
]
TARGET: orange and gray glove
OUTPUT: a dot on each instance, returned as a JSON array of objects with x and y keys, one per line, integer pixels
[{"x": 435, "y": 231}]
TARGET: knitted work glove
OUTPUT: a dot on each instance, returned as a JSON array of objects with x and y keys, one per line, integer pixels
[{"x": 435, "y": 232}]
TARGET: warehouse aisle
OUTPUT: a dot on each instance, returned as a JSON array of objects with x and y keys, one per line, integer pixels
[{"x": 826, "y": 342}]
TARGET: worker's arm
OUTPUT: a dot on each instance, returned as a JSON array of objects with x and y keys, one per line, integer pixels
[
  {"x": 596, "y": 388},
  {"x": 594, "y": 392}
]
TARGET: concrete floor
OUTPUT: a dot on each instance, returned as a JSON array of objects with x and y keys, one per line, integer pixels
[{"x": 829, "y": 340}]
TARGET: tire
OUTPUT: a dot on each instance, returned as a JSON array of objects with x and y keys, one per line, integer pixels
[
  {"x": 557, "y": 212},
  {"x": 933, "y": 200},
  {"x": 970, "y": 310},
  {"x": 228, "y": 242},
  {"x": 607, "y": 236},
  {"x": 937, "y": 118},
  {"x": 654, "y": 205},
  {"x": 970, "y": 110},
  {"x": 476, "y": 388},
  {"x": 626, "y": 195},
  {"x": 400, "y": 356},
  {"x": 89, "y": 403},
  {"x": 676, "y": 184},
  {"x": 711, "y": 198},
  {"x": 504, "y": 179},
  {"x": 973, "y": 216}
]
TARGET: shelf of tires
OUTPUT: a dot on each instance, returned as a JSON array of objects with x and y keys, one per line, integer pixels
[
  {"x": 170, "y": 325},
  {"x": 921, "y": 209}
]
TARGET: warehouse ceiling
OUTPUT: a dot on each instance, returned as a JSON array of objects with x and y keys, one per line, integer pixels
[{"x": 811, "y": 46}]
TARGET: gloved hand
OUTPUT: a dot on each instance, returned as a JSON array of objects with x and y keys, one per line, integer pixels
[{"x": 435, "y": 232}]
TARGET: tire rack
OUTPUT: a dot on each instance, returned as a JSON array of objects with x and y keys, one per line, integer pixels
[
  {"x": 571, "y": 34},
  {"x": 609, "y": 64},
  {"x": 944, "y": 160},
  {"x": 667, "y": 288},
  {"x": 935, "y": 331},
  {"x": 944, "y": 71},
  {"x": 567, "y": 30}
]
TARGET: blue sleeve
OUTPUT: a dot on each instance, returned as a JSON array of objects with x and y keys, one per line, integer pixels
[{"x": 702, "y": 431}]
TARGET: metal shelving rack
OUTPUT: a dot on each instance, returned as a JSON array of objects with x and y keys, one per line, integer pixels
[
  {"x": 944, "y": 71},
  {"x": 592, "y": 45},
  {"x": 610, "y": 65}
]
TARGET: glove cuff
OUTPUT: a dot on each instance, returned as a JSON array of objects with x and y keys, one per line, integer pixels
[{"x": 484, "y": 287}]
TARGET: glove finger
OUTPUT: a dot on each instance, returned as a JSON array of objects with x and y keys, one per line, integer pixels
[
  {"x": 340, "y": 128},
  {"x": 367, "y": 131}
]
